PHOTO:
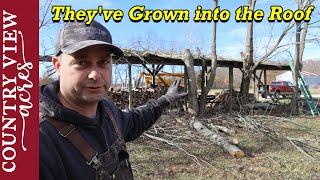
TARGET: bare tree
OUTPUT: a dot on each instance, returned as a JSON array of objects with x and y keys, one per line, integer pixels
[
  {"x": 249, "y": 65},
  {"x": 248, "y": 57},
  {"x": 192, "y": 86},
  {"x": 206, "y": 89},
  {"x": 44, "y": 9},
  {"x": 46, "y": 26},
  {"x": 44, "y": 20},
  {"x": 301, "y": 35}
]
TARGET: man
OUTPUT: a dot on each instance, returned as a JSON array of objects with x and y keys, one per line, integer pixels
[{"x": 83, "y": 135}]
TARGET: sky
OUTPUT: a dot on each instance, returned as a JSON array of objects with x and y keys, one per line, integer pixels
[{"x": 164, "y": 36}]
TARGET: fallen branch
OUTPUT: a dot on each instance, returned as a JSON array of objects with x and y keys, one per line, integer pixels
[
  {"x": 223, "y": 129},
  {"x": 217, "y": 139},
  {"x": 299, "y": 148},
  {"x": 257, "y": 125},
  {"x": 193, "y": 157}
]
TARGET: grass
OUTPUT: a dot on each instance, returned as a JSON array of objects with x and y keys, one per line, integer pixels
[{"x": 152, "y": 159}]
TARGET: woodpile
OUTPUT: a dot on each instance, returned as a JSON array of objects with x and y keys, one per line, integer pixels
[
  {"x": 223, "y": 99},
  {"x": 140, "y": 96}
]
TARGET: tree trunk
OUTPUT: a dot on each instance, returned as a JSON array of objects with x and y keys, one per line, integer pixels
[
  {"x": 206, "y": 89},
  {"x": 203, "y": 97},
  {"x": 192, "y": 86},
  {"x": 245, "y": 86},
  {"x": 248, "y": 59},
  {"x": 295, "y": 109},
  {"x": 301, "y": 34},
  {"x": 130, "y": 86},
  {"x": 217, "y": 139}
]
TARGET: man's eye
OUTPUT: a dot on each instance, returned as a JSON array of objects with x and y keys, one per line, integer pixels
[
  {"x": 81, "y": 63},
  {"x": 105, "y": 62}
]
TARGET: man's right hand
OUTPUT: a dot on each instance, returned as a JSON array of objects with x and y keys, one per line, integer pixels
[{"x": 173, "y": 94}]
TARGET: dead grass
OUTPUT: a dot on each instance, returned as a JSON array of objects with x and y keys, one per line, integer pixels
[{"x": 152, "y": 159}]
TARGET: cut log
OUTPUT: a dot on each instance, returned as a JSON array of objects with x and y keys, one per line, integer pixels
[
  {"x": 217, "y": 139},
  {"x": 230, "y": 132}
]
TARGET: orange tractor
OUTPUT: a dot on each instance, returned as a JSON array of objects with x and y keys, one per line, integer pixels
[{"x": 161, "y": 79}]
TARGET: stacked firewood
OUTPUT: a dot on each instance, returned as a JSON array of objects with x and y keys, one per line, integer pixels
[
  {"x": 222, "y": 100},
  {"x": 140, "y": 96}
]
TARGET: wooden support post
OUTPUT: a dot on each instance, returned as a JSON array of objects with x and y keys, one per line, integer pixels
[
  {"x": 159, "y": 68},
  {"x": 230, "y": 87},
  {"x": 260, "y": 75},
  {"x": 254, "y": 83},
  {"x": 130, "y": 86},
  {"x": 146, "y": 67},
  {"x": 266, "y": 90},
  {"x": 185, "y": 82},
  {"x": 254, "y": 76},
  {"x": 156, "y": 72},
  {"x": 265, "y": 76},
  {"x": 153, "y": 76},
  {"x": 206, "y": 75},
  {"x": 163, "y": 81},
  {"x": 230, "y": 78}
]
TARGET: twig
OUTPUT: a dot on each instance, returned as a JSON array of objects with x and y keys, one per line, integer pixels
[
  {"x": 300, "y": 149},
  {"x": 193, "y": 157},
  {"x": 282, "y": 165},
  {"x": 254, "y": 125}
]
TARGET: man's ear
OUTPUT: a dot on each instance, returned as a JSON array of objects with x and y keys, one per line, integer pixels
[{"x": 56, "y": 64}]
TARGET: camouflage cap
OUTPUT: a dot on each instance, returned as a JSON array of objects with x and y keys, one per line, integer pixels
[{"x": 75, "y": 36}]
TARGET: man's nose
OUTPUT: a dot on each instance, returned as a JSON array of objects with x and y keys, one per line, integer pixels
[{"x": 94, "y": 75}]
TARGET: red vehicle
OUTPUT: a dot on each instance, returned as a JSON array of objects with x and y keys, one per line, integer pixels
[
  {"x": 277, "y": 89},
  {"x": 281, "y": 88}
]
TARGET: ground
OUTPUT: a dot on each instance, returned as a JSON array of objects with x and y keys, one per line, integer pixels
[{"x": 187, "y": 155}]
